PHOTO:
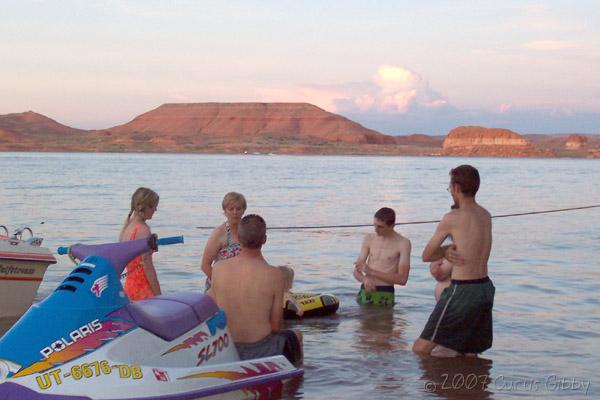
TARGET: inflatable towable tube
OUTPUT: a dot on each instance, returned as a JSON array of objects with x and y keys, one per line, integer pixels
[{"x": 313, "y": 304}]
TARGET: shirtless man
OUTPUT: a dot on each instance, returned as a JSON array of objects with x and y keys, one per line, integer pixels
[
  {"x": 251, "y": 293},
  {"x": 384, "y": 261},
  {"x": 461, "y": 322}
]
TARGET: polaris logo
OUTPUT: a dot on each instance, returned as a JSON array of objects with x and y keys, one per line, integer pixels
[
  {"x": 77, "y": 334},
  {"x": 99, "y": 285}
]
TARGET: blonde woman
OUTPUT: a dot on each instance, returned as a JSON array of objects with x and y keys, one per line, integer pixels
[
  {"x": 224, "y": 242},
  {"x": 141, "y": 281}
]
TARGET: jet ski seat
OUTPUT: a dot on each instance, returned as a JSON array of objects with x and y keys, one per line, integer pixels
[{"x": 169, "y": 316}]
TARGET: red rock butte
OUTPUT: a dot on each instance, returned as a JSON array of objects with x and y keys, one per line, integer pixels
[
  {"x": 251, "y": 120},
  {"x": 575, "y": 142},
  {"x": 480, "y": 141},
  {"x": 466, "y": 136}
]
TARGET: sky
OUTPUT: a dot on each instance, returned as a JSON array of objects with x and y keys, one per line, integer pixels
[{"x": 399, "y": 67}]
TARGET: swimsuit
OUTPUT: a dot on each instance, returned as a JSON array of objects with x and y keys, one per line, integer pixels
[
  {"x": 284, "y": 342},
  {"x": 137, "y": 286},
  {"x": 462, "y": 319},
  {"x": 382, "y": 296},
  {"x": 230, "y": 250}
]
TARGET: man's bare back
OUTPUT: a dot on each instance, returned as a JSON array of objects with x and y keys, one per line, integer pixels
[
  {"x": 470, "y": 228},
  {"x": 251, "y": 293}
]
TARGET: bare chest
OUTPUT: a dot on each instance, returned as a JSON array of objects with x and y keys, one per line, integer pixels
[{"x": 384, "y": 253}]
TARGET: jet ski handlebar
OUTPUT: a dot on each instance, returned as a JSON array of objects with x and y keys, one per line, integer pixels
[{"x": 120, "y": 253}]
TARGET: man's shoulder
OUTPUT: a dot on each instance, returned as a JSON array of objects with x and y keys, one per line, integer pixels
[
  {"x": 369, "y": 237},
  {"x": 401, "y": 239},
  {"x": 485, "y": 211},
  {"x": 451, "y": 215}
]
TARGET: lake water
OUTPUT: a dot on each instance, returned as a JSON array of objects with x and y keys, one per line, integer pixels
[{"x": 545, "y": 267}]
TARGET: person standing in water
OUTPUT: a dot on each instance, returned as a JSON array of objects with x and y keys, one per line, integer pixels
[
  {"x": 224, "y": 242},
  {"x": 384, "y": 261},
  {"x": 141, "y": 281},
  {"x": 461, "y": 322}
]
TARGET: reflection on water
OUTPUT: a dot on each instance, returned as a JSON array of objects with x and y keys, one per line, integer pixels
[
  {"x": 546, "y": 320},
  {"x": 379, "y": 330}
]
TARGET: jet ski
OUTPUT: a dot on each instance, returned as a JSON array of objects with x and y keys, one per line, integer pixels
[{"x": 87, "y": 340}]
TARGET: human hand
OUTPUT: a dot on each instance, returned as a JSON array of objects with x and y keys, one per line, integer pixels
[
  {"x": 369, "y": 285},
  {"x": 299, "y": 312},
  {"x": 435, "y": 268},
  {"x": 360, "y": 267},
  {"x": 452, "y": 255}
]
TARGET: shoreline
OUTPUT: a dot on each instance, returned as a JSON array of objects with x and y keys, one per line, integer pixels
[{"x": 284, "y": 153}]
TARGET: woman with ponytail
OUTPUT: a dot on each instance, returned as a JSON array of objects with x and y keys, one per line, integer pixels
[{"x": 141, "y": 281}]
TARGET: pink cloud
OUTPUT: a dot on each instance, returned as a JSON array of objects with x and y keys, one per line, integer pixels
[{"x": 392, "y": 90}]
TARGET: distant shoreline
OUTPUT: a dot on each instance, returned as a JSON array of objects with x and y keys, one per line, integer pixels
[{"x": 340, "y": 154}]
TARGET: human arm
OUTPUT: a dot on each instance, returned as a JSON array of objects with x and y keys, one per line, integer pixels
[
  {"x": 361, "y": 263},
  {"x": 287, "y": 296},
  {"x": 149, "y": 270},
  {"x": 276, "y": 317},
  {"x": 434, "y": 249},
  {"x": 211, "y": 249}
]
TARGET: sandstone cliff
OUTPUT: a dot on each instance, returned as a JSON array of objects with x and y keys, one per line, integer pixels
[
  {"x": 575, "y": 142},
  {"x": 488, "y": 142},
  {"x": 284, "y": 128},
  {"x": 30, "y": 131},
  {"x": 247, "y": 122}
]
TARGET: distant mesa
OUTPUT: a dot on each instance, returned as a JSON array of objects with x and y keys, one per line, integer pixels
[
  {"x": 282, "y": 128},
  {"x": 480, "y": 141},
  {"x": 30, "y": 131},
  {"x": 248, "y": 121},
  {"x": 576, "y": 142},
  {"x": 32, "y": 123}
]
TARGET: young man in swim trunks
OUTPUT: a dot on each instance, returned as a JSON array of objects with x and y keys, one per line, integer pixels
[
  {"x": 461, "y": 322},
  {"x": 251, "y": 293},
  {"x": 384, "y": 261}
]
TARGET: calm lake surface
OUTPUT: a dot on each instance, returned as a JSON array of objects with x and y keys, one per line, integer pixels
[{"x": 545, "y": 267}]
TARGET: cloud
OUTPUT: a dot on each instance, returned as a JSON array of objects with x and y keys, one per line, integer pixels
[
  {"x": 392, "y": 90},
  {"x": 397, "y": 90},
  {"x": 398, "y": 101},
  {"x": 551, "y": 45},
  {"x": 504, "y": 108}
]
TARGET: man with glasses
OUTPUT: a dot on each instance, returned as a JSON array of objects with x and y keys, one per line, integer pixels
[{"x": 461, "y": 322}]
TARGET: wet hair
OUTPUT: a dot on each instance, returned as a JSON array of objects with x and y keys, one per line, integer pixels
[
  {"x": 387, "y": 215},
  {"x": 232, "y": 198},
  {"x": 467, "y": 179},
  {"x": 141, "y": 199},
  {"x": 288, "y": 277},
  {"x": 252, "y": 231}
]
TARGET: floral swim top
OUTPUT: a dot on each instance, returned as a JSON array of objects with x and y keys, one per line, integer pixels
[{"x": 231, "y": 248}]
